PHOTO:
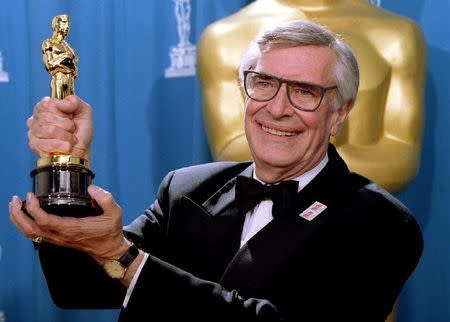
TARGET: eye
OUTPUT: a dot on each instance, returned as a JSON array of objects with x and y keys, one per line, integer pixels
[
  {"x": 264, "y": 82},
  {"x": 302, "y": 91},
  {"x": 305, "y": 90}
]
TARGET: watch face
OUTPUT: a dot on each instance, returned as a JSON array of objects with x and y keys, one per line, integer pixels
[{"x": 114, "y": 269}]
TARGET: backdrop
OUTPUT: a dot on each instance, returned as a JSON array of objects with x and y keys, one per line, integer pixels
[{"x": 148, "y": 119}]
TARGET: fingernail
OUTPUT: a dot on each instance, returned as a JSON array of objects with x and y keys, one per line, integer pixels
[
  {"x": 96, "y": 189},
  {"x": 15, "y": 200},
  {"x": 29, "y": 195}
]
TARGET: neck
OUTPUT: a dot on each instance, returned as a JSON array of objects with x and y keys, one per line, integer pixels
[{"x": 270, "y": 174}]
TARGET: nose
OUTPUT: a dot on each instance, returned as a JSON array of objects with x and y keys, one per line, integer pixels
[{"x": 279, "y": 106}]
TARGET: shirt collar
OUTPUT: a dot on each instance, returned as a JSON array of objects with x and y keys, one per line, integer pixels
[{"x": 304, "y": 178}]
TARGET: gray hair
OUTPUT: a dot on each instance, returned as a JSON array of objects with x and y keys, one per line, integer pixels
[{"x": 303, "y": 33}]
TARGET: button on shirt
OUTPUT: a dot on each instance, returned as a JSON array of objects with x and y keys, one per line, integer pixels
[{"x": 261, "y": 215}]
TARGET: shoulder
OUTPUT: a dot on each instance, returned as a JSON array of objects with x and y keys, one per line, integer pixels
[
  {"x": 207, "y": 170},
  {"x": 47, "y": 43},
  {"x": 372, "y": 211},
  {"x": 370, "y": 196},
  {"x": 202, "y": 179}
]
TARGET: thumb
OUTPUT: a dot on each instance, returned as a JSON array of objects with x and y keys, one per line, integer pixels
[
  {"x": 74, "y": 105},
  {"x": 104, "y": 199}
]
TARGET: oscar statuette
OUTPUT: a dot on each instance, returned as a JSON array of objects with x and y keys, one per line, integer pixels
[{"x": 60, "y": 181}]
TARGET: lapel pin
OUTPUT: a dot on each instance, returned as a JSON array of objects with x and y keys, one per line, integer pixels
[{"x": 312, "y": 211}]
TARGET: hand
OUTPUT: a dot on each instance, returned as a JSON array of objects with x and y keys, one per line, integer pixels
[
  {"x": 61, "y": 126},
  {"x": 99, "y": 236}
]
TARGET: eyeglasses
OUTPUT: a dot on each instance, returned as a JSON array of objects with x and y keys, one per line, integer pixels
[{"x": 302, "y": 95}]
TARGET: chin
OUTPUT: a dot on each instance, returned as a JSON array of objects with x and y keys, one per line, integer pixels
[{"x": 276, "y": 160}]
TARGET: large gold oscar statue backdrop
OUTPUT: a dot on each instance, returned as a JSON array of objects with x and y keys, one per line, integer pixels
[{"x": 382, "y": 137}]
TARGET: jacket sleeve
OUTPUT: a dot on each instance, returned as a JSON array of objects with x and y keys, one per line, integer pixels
[
  {"x": 171, "y": 293},
  {"x": 76, "y": 281}
]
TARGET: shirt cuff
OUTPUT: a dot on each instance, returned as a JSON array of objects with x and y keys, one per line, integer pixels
[{"x": 134, "y": 280}]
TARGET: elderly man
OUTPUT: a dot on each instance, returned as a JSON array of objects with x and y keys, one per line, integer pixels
[{"x": 291, "y": 236}]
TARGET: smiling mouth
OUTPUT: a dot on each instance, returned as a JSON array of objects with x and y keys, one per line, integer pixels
[{"x": 277, "y": 132}]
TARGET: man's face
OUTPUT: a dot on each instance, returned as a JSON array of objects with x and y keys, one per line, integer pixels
[{"x": 285, "y": 141}]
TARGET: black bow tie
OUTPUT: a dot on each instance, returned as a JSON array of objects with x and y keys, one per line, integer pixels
[{"x": 250, "y": 192}]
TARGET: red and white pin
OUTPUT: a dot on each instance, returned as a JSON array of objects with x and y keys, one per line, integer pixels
[{"x": 312, "y": 211}]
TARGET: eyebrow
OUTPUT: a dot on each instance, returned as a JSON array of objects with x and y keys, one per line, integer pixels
[{"x": 289, "y": 80}]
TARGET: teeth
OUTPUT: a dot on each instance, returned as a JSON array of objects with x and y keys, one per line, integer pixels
[{"x": 276, "y": 132}]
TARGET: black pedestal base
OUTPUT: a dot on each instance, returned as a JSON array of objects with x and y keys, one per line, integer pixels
[{"x": 62, "y": 190}]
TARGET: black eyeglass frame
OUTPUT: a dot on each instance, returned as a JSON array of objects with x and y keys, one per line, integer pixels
[{"x": 323, "y": 89}]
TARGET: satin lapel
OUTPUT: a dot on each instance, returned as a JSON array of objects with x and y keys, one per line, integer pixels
[
  {"x": 254, "y": 264},
  {"x": 224, "y": 199},
  {"x": 207, "y": 235}
]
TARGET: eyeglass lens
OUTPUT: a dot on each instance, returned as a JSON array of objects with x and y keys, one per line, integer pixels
[{"x": 261, "y": 87}]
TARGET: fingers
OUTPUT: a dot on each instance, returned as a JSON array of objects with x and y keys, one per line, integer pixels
[
  {"x": 62, "y": 126},
  {"x": 67, "y": 107},
  {"x": 73, "y": 105},
  {"x": 39, "y": 223},
  {"x": 51, "y": 105},
  {"x": 100, "y": 236},
  {"x": 46, "y": 147},
  {"x": 49, "y": 129},
  {"x": 104, "y": 199},
  {"x": 82, "y": 117},
  {"x": 26, "y": 225}
]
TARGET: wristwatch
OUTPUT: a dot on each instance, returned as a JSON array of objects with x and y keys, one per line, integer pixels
[{"x": 116, "y": 268}]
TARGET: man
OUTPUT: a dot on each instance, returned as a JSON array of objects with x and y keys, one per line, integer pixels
[
  {"x": 314, "y": 248},
  {"x": 60, "y": 59}
]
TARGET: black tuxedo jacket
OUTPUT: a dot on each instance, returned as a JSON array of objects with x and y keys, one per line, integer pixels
[{"x": 347, "y": 264}]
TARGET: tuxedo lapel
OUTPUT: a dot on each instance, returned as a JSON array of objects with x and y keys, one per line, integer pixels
[
  {"x": 223, "y": 201},
  {"x": 207, "y": 235}
]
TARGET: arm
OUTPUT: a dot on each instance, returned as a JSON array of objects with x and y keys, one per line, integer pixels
[
  {"x": 174, "y": 293},
  {"x": 64, "y": 126},
  {"x": 47, "y": 53},
  {"x": 75, "y": 250}
]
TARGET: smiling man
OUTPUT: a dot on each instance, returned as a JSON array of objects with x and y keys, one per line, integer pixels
[{"x": 291, "y": 236}]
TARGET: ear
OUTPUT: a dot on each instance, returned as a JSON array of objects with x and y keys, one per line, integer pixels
[{"x": 340, "y": 117}]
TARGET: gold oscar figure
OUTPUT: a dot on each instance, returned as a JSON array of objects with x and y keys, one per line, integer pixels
[
  {"x": 383, "y": 135},
  {"x": 60, "y": 59},
  {"x": 60, "y": 181}
]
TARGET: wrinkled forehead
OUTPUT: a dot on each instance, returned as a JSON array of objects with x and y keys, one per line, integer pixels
[{"x": 307, "y": 62}]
